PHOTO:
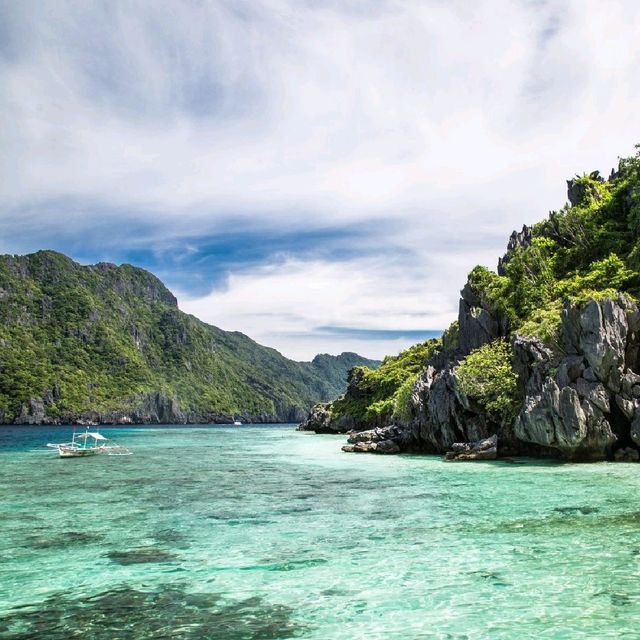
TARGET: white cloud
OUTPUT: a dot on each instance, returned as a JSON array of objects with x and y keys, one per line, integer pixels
[
  {"x": 283, "y": 305},
  {"x": 457, "y": 120}
]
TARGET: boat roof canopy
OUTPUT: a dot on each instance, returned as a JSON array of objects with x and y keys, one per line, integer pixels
[{"x": 93, "y": 434}]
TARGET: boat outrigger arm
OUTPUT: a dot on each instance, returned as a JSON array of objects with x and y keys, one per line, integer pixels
[{"x": 89, "y": 443}]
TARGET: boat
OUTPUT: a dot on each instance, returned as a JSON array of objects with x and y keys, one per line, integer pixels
[
  {"x": 237, "y": 422},
  {"x": 89, "y": 443}
]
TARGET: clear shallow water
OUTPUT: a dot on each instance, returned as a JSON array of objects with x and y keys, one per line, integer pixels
[{"x": 262, "y": 532}]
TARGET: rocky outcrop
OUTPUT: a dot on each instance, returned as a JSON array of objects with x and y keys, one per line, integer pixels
[
  {"x": 321, "y": 420},
  {"x": 478, "y": 322},
  {"x": 579, "y": 190},
  {"x": 577, "y": 396},
  {"x": 318, "y": 420},
  {"x": 391, "y": 439},
  {"x": 518, "y": 239},
  {"x": 578, "y": 403},
  {"x": 485, "y": 449},
  {"x": 586, "y": 404},
  {"x": 33, "y": 413}
]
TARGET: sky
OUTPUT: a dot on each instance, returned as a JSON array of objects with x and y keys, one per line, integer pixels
[{"x": 320, "y": 175}]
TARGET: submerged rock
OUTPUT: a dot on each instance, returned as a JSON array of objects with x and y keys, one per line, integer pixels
[
  {"x": 141, "y": 556},
  {"x": 320, "y": 420},
  {"x": 485, "y": 449}
]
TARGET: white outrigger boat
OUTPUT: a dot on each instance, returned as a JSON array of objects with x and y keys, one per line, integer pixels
[{"x": 89, "y": 443}]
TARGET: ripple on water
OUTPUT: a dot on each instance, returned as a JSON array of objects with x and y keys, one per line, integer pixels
[{"x": 268, "y": 533}]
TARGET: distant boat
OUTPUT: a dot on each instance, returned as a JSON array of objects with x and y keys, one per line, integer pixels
[
  {"x": 237, "y": 422},
  {"x": 89, "y": 443}
]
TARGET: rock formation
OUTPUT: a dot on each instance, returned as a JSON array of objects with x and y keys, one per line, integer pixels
[
  {"x": 578, "y": 396},
  {"x": 583, "y": 404},
  {"x": 485, "y": 449}
]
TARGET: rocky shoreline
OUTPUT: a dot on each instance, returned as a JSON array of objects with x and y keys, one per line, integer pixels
[
  {"x": 579, "y": 401},
  {"x": 153, "y": 408}
]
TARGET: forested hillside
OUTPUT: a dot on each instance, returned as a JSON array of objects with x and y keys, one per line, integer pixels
[{"x": 108, "y": 343}]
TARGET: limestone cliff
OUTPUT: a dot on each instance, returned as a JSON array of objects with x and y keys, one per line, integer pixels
[{"x": 563, "y": 307}]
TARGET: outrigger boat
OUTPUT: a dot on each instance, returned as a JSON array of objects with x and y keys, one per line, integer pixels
[{"x": 89, "y": 443}]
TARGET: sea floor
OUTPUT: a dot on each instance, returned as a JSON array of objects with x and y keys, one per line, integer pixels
[{"x": 263, "y": 532}]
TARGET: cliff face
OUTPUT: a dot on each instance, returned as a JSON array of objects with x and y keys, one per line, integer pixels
[
  {"x": 107, "y": 343},
  {"x": 545, "y": 354},
  {"x": 582, "y": 403}
]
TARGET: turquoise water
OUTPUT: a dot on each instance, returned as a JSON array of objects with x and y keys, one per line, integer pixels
[{"x": 263, "y": 532}]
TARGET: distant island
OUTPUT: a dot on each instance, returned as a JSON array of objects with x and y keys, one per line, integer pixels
[
  {"x": 545, "y": 353},
  {"x": 108, "y": 344}
]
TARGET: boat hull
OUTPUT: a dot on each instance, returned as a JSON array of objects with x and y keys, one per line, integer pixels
[{"x": 76, "y": 453}]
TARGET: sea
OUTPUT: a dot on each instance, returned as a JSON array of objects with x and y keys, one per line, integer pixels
[{"x": 263, "y": 532}]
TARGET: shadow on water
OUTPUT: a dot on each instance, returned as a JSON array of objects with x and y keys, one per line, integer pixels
[{"x": 167, "y": 613}]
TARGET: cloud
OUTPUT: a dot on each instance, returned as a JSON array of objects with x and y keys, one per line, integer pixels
[
  {"x": 302, "y": 307},
  {"x": 222, "y": 143}
]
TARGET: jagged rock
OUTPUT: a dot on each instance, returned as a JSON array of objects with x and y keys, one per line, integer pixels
[
  {"x": 437, "y": 420},
  {"x": 630, "y": 384},
  {"x": 531, "y": 361},
  {"x": 387, "y": 446},
  {"x": 555, "y": 417},
  {"x": 595, "y": 393},
  {"x": 383, "y": 446},
  {"x": 598, "y": 332},
  {"x": 375, "y": 435},
  {"x": 518, "y": 239},
  {"x": 627, "y": 454},
  {"x": 627, "y": 407},
  {"x": 579, "y": 403},
  {"x": 318, "y": 420},
  {"x": 33, "y": 413},
  {"x": 569, "y": 370},
  {"x": 485, "y": 449},
  {"x": 477, "y": 325},
  {"x": 380, "y": 440},
  {"x": 579, "y": 190}
]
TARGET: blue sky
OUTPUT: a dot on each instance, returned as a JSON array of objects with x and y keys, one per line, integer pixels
[{"x": 318, "y": 175}]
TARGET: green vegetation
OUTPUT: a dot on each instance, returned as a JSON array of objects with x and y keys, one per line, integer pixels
[
  {"x": 105, "y": 337},
  {"x": 373, "y": 395},
  {"x": 589, "y": 249},
  {"x": 486, "y": 376}
]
